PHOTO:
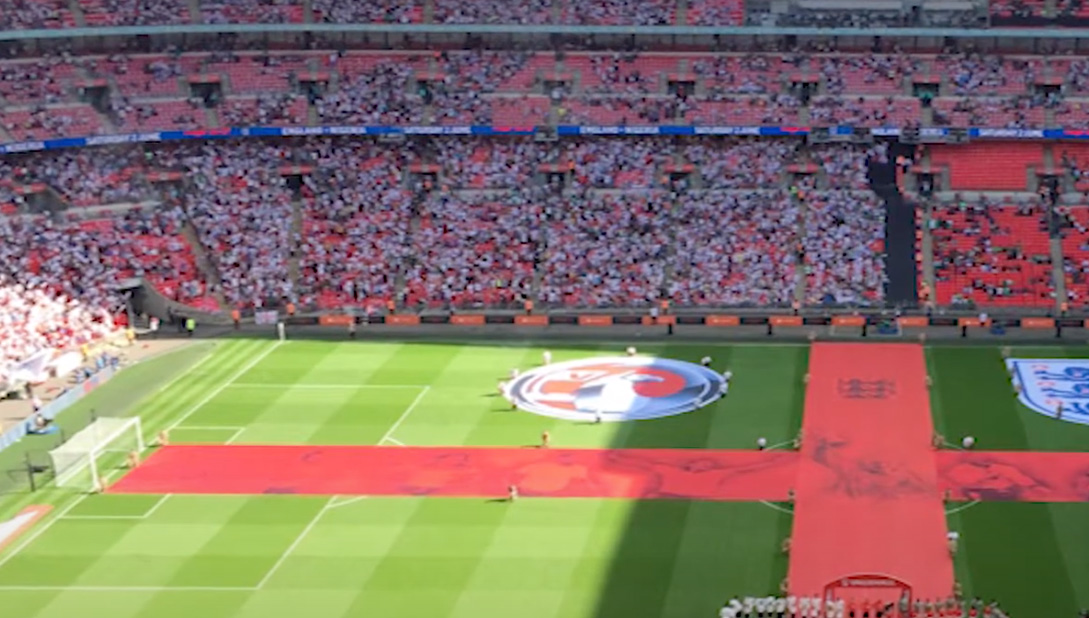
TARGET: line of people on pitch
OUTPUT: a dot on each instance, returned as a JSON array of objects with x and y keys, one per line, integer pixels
[{"x": 815, "y": 607}]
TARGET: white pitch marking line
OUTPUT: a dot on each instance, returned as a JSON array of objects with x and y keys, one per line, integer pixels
[
  {"x": 404, "y": 415},
  {"x": 157, "y": 505},
  {"x": 134, "y": 588},
  {"x": 237, "y": 434},
  {"x": 103, "y": 517},
  {"x": 149, "y": 513},
  {"x": 209, "y": 428},
  {"x": 777, "y": 507},
  {"x": 284, "y": 386},
  {"x": 395, "y": 441},
  {"x": 333, "y": 504},
  {"x": 963, "y": 507},
  {"x": 219, "y": 389},
  {"x": 291, "y": 548},
  {"x": 41, "y": 530}
]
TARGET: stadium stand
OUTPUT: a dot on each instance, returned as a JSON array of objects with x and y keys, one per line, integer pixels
[
  {"x": 329, "y": 222},
  {"x": 992, "y": 254}
]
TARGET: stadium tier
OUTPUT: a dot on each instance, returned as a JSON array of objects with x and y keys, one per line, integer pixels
[{"x": 847, "y": 177}]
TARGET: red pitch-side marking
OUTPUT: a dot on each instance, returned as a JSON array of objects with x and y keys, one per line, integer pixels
[
  {"x": 688, "y": 474},
  {"x": 867, "y": 498},
  {"x": 1022, "y": 476},
  {"x": 25, "y": 520}
]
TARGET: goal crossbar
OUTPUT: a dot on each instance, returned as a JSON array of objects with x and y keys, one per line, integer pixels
[{"x": 76, "y": 461}]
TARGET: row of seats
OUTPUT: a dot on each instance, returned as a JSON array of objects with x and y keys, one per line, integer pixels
[
  {"x": 847, "y": 72},
  {"x": 994, "y": 254},
  {"x": 22, "y": 14},
  {"x": 100, "y": 13}
]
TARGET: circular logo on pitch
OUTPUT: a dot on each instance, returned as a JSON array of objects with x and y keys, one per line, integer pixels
[{"x": 616, "y": 388}]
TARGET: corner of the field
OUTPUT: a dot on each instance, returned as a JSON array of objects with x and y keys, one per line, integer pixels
[{"x": 24, "y": 520}]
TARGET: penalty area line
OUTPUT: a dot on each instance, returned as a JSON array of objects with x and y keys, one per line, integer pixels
[
  {"x": 962, "y": 507},
  {"x": 334, "y": 504},
  {"x": 404, "y": 415},
  {"x": 781, "y": 509},
  {"x": 236, "y": 432},
  {"x": 295, "y": 544},
  {"x": 151, "y": 511},
  {"x": 219, "y": 389}
]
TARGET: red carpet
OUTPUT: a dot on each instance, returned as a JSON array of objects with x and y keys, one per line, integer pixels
[
  {"x": 1015, "y": 476},
  {"x": 867, "y": 492},
  {"x": 467, "y": 472}
]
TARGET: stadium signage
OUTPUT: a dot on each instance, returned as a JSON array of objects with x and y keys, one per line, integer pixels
[
  {"x": 616, "y": 388},
  {"x": 1046, "y": 384},
  {"x": 562, "y": 130},
  {"x": 102, "y": 140}
]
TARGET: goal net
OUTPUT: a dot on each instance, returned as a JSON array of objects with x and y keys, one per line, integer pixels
[{"x": 79, "y": 462}]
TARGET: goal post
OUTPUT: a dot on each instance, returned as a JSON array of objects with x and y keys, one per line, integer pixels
[{"x": 78, "y": 462}]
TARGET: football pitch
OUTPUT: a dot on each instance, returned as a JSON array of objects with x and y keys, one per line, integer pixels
[{"x": 273, "y": 556}]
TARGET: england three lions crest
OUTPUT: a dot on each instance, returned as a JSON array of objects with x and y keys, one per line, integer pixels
[{"x": 1045, "y": 384}]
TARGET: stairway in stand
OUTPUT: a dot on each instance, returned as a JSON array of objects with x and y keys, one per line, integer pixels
[
  {"x": 205, "y": 265},
  {"x": 900, "y": 225},
  {"x": 294, "y": 270}
]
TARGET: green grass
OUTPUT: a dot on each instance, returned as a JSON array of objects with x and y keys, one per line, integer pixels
[
  {"x": 1031, "y": 557},
  {"x": 280, "y": 556},
  {"x": 286, "y": 556}
]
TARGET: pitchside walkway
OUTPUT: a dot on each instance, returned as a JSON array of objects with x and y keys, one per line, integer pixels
[{"x": 867, "y": 497}]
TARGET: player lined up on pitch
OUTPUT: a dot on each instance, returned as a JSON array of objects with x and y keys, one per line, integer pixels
[{"x": 816, "y": 607}]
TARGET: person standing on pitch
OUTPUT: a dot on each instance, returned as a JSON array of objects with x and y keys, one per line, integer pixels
[
  {"x": 546, "y": 439},
  {"x": 953, "y": 539},
  {"x": 546, "y": 357},
  {"x": 512, "y": 493}
]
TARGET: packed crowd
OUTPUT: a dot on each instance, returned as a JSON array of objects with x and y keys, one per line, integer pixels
[
  {"x": 369, "y": 220},
  {"x": 34, "y": 319},
  {"x": 81, "y": 177},
  {"x": 754, "y": 264},
  {"x": 44, "y": 97},
  {"x": 844, "y": 248},
  {"x": 356, "y": 225},
  {"x": 493, "y": 12},
  {"x": 58, "y": 275},
  {"x": 52, "y": 14},
  {"x": 373, "y": 11},
  {"x": 606, "y": 250},
  {"x": 242, "y": 211},
  {"x": 474, "y": 251}
]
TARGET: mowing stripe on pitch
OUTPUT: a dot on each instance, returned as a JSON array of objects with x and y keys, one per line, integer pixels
[{"x": 219, "y": 389}]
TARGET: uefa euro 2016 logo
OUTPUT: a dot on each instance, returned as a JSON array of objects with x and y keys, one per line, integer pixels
[
  {"x": 1055, "y": 387},
  {"x": 616, "y": 388}
]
